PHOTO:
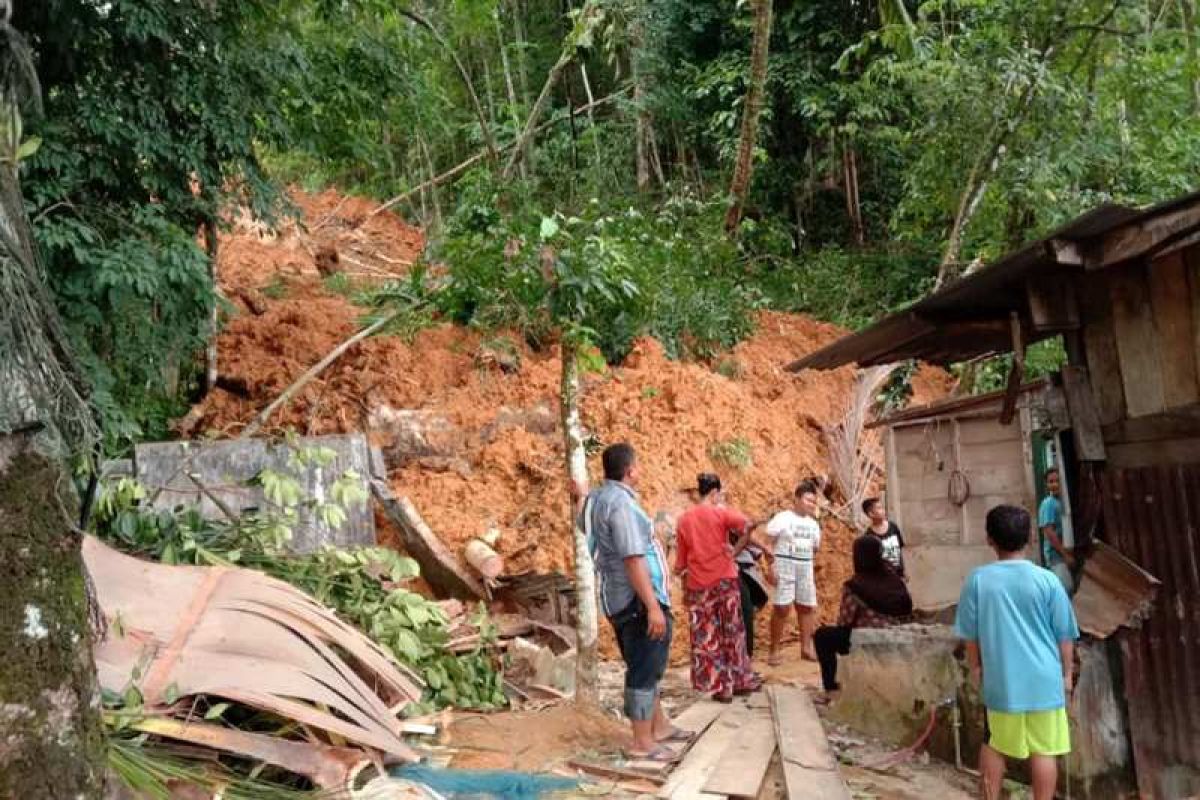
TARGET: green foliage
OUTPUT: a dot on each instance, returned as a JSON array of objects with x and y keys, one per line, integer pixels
[
  {"x": 1041, "y": 359},
  {"x": 616, "y": 273},
  {"x": 737, "y": 452},
  {"x": 152, "y": 111}
]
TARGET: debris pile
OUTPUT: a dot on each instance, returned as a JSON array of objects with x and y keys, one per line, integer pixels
[{"x": 474, "y": 443}]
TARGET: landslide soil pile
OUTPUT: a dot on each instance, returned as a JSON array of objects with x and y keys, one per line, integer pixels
[{"x": 469, "y": 421}]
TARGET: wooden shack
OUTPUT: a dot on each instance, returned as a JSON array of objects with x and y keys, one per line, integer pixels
[
  {"x": 1121, "y": 286},
  {"x": 947, "y": 464}
]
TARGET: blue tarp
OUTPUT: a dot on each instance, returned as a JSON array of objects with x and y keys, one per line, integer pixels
[{"x": 484, "y": 784}]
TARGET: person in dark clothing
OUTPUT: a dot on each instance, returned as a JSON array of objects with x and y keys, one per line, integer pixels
[
  {"x": 876, "y": 597},
  {"x": 888, "y": 533},
  {"x": 752, "y": 582}
]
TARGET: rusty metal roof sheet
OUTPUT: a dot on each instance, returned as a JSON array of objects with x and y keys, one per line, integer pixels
[
  {"x": 1113, "y": 592},
  {"x": 969, "y": 317}
]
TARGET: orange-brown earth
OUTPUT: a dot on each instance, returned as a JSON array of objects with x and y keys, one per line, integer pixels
[{"x": 509, "y": 475}]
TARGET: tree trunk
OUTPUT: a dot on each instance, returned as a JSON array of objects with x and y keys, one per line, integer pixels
[
  {"x": 523, "y": 73},
  {"x": 750, "y": 113},
  {"x": 593, "y": 131},
  {"x": 587, "y": 619},
  {"x": 51, "y": 734},
  {"x": 485, "y": 130},
  {"x": 513, "y": 105},
  {"x": 853, "y": 206},
  {"x": 1188, "y": 10},
  {"x": 531, "y": 123},
  {"x": 645, "y": 140},
  {"x": 210, "y": 355}
]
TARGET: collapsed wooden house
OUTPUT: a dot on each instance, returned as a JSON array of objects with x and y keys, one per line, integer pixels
[{"x": 1121, "y": 287}]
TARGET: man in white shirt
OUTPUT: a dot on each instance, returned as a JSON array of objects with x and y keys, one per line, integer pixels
[{"x": 796, "y": 537}]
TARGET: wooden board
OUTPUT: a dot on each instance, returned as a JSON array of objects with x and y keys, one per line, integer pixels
[
  {"x": 809, "y": 768},
  {"x": 801, "y": 736},
  {"x": 1137, "y": 341},
  {"x": 699, "y": 715},
  {"x": 740, "y": 769},
  {"x": 1085, "y": 420},
  {"x": 1191, "y": 263},
  {"x": 1100, "y": 344},
  {"x": 1171, "y": 303},
  {"x": 688, "y": 779}
]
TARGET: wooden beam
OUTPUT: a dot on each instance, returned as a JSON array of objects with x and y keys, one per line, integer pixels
[
  {"x": 1065, "y": 252},
  {"x": 1085, "y": 420},
  {"x": 1178, "y": 423},
  {"x": 1017, "y": 374},
  {"x": 439, "y": 567},
  {"x": 1052, "y": 303},
  {"x": 1139, "y": 238}
]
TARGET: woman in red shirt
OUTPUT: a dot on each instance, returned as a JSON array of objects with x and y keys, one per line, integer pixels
[{"x": 706, "y": 560}]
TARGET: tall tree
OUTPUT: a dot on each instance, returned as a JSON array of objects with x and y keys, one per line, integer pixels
[
  {"x": 53, "y": 737},
  {"x": 751, "y": 110}
]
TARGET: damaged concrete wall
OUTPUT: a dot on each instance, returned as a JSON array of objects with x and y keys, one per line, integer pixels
[
  {"x": 894, "y": 676},
  {"x": 226, "y": 469}
]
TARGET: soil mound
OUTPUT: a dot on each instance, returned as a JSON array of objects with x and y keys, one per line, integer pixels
[{"x": 742, "y": 416}]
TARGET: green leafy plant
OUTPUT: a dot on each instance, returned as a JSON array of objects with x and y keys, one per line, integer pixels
[{"x": 737, "y": 452}]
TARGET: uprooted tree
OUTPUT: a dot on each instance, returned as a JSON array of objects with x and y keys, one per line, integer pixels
[{"x": 51, "y": 733}]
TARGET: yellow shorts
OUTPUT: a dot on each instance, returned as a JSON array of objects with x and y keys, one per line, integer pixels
[{"x": 1026, "y": 733}]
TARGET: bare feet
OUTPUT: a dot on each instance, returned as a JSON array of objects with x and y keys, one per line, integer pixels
[{"x": 774, "y": 659}]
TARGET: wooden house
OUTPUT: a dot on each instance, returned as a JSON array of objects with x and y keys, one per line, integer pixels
[{"x": 1121, "y": 286}]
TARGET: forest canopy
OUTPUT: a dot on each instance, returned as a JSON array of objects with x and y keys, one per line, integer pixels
[{"x": 897, "y": 145}]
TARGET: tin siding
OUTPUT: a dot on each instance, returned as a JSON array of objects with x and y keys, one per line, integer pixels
[{"x": 1152, "y": 515}]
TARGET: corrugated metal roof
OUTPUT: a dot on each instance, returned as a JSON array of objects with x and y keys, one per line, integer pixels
[{"x": 936, "y": 329}]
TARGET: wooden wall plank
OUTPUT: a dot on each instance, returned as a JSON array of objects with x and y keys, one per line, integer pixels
[
  {"x": 1100, "y": 343},
  {"x": 1191, "y": 263},
  {"x": 1170, "y": 300},
  {"x": 1137, "y": 340},
  {"x": 1085, "y": 420}
]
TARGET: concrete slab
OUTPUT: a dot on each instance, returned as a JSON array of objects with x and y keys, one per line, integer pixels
[{"x": 226, "y": 469}]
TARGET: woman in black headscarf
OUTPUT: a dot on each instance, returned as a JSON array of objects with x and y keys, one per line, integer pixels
[{"x": 876, "y": 597}]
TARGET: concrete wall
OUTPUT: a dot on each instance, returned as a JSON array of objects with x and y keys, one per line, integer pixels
[
  {"x": 227, "y": 468},
  {"x": 894, "y": 676}
]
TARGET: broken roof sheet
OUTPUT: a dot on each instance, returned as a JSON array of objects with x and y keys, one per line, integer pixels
[{"x": 969, "y": 318}]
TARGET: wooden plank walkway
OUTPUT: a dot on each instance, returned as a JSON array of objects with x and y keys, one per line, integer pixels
[
  {"x": 809, "y": 768},
  {"x": 742, "y": 766},
  {"x": 688, "y": 780}
]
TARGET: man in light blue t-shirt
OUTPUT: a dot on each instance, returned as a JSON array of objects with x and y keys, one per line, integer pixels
[
  {"x": 1020, "y": 632},
  {"x": 1056, "y": 557}
]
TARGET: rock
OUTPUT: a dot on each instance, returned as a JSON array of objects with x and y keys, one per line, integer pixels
[{"x": 408, "y": 435}]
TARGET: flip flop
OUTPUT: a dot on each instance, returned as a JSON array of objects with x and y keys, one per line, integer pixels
[
  {"x": 678, "y": 735},
  {"x": 657, "y": 755}
]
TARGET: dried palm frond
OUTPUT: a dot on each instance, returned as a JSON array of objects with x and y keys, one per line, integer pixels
[
  {"x": 243, "y": 636},
  {"x": 851, "y": 468}
]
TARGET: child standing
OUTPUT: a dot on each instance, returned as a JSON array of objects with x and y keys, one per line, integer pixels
[
  {"x": 796, "y": 537},
  {"x": 1020, "y": 633}
]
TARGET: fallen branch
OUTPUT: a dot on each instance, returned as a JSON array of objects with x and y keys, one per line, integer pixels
[
  {"x": 316, "y": 370},
  {"x": 459, "y": 169}
]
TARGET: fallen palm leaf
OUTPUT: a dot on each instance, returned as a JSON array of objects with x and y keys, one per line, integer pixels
[{"x": 239, "y": 635}]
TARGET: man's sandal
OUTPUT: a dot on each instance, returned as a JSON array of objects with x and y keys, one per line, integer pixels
[
  {"x": 679, "y": 736},
  {"x": 657, "y": 755}
]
